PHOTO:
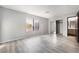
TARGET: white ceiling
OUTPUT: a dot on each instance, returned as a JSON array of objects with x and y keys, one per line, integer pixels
[{"x": 46, "y": 11}]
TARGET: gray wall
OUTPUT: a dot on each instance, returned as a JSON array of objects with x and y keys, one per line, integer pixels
[{"x": 13, "y": 25}]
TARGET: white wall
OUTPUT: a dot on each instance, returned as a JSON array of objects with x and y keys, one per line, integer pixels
[
  {"x": 52, "y": 26},
  {"x": 0, "y": 22},
  {"x": 13, "y": 25},
  {"x": 61, "y": 27}
]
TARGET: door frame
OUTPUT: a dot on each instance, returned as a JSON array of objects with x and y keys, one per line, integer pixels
[
  {"x": 67, "y": 23},
  {"x": 60, "y": 21}
]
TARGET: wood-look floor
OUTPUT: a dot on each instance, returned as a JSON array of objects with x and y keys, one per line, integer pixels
[{"x": 42, "y": 44}]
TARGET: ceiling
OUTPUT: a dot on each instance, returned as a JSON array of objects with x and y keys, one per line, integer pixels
[{"x": 46, "y": 11}]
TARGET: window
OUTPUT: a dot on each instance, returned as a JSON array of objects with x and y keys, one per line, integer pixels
[
  {"x": 32, "y": 25},
  {"x": 29, "y": 25}
]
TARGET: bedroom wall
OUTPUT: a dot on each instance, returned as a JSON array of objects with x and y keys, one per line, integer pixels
[
  {"x": 13, "y": 25},
  {"x": 0, "y": 22}
]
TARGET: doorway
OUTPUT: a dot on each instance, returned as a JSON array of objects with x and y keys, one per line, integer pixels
[
  {"x": 72, "y": 27},
  {"x": 59, "y": 26}
]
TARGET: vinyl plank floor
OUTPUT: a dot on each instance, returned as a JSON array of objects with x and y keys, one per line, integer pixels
[{"x": 42, "y": 44}]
